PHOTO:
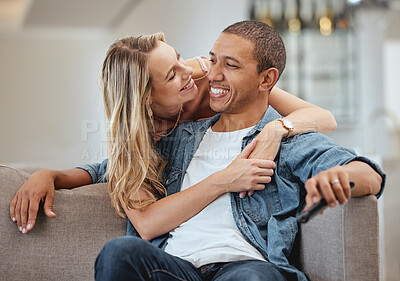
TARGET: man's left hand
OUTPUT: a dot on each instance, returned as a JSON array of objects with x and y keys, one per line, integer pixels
[{"x": 332, "y": 184}]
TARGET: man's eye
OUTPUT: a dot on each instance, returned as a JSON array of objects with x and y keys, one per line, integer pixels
[
  {"x": 231, "y": 65},
  {"x": 172, "y": 77},
  {"x": 212, "y": 61}
]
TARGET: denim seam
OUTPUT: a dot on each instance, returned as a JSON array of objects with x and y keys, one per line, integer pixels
[
  {"x": 164, "y": 271},
  {"x": 91, "y": 171}
]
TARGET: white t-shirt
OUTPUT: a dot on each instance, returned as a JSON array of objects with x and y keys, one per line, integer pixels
[{"x": 212, "y": 235}]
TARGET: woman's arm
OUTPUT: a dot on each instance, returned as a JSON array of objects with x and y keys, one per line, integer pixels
[
  {"x": 40, "y": 187},
  {"x": 169, "y": 212},
  {"x": 304, "y": 116}
]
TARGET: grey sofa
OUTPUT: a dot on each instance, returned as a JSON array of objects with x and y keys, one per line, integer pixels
[{"x": 340, "y": 245}]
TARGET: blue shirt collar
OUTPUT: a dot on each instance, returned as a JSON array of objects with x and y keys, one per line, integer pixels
[{"x": 269, "y": 115}]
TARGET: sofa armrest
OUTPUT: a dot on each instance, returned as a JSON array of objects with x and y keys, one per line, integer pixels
[
  {"x": 61, "y": 248},
  {"x": 343, "y": 243}
]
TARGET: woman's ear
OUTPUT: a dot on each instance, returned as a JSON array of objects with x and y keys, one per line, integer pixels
[
  {"x": 268, "y": 79},
  {"x": 149, "y": 100}
]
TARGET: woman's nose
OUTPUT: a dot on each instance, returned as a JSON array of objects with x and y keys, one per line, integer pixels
[{"x": 187, "y": 71}]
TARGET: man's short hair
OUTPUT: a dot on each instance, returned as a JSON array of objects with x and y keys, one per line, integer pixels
[{"x": 269, "y": 49}]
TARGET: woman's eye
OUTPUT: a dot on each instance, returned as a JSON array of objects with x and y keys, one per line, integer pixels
[
  {"x": 172, "y": 77},
  {"x": 231, "y": 65}
]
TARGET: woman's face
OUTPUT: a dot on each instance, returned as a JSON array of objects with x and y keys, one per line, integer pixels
[{"x": 172, "y": 83}]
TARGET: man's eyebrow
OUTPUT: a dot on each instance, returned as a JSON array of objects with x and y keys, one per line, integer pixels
[
  {"x": 232, "y": 58},
  {"x": 178, "y": 56},
  {"x": 226, "y": 57}
]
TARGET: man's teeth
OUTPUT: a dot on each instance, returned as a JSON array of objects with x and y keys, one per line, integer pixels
[{"x": 219, "y": 91}]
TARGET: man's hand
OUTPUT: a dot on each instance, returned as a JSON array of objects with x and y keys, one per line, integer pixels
[
  {"x": 332, "y": 184},
  {"x": 25, "y": 205}
]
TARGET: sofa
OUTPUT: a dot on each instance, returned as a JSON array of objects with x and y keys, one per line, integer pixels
[{"x": 341, "y": 244}]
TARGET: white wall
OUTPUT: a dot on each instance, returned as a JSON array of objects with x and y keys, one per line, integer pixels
[
  {"x": 48, "y": 87},
  {"x": 392, "y": 93}
]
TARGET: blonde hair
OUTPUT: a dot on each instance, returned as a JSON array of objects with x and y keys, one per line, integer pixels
[{"x": 134, "y": 163}]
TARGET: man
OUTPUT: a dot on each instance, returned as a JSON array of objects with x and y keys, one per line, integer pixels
[{"x": 239, "y": 238}]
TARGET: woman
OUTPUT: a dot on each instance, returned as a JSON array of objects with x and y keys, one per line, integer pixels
[{"x": 147, "y": 90}]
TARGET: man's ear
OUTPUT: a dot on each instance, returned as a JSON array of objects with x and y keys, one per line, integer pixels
[{"x": 268, "y": 79}]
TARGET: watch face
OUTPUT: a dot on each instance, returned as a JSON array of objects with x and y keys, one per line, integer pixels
[{"x": 288, "y": 124}]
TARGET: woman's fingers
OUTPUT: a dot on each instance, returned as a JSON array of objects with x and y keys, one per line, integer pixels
[
  {"x": 18, "y": 213},
  {"x": 247, "y": 150},
  {"x": 48, "y": 205},
  {"x": 12, "y": 208},
  {"x": 242, "y": 194},
  {"x": 263, "y": 179},
  {"x": 24, "y": 214},
  {"x": 33, "y": 210},
  {"x": 263, "y": 164}
]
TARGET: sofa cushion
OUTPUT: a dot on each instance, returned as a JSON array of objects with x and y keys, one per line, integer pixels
[{"x": 61, "y": 248}]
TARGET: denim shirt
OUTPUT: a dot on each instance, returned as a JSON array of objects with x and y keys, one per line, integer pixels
[{"x": 267, "y": 219}]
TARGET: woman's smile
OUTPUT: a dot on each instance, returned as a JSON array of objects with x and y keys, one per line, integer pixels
[{"x": 189, "y": 85}]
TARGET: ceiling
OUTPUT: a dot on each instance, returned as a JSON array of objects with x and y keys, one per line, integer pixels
[
  {"x": 20, "y": 15},
  {"x": 87, "y": 14}
]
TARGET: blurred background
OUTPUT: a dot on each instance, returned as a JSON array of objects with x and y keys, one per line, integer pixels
[{"x": 343, "y": 55}]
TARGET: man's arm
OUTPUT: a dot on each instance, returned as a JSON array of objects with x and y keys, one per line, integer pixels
[{"x": 327, "y": 168}]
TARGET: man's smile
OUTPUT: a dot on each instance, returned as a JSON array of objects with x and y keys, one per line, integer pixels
[{"x": 218, "y": 92}]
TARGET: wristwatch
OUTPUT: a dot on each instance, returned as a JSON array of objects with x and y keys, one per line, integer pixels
[{"x": 287, "y": 124}]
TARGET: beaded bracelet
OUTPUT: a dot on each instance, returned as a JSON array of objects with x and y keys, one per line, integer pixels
[
  {"x": 203, "y": 67},
  {"x": 202, "y": 64}
]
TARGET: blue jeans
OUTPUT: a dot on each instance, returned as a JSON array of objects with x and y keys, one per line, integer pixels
[{"x": 131, "y": 258}]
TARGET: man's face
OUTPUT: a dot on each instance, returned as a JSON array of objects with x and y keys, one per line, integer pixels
[{"x": 233, "y": 74}]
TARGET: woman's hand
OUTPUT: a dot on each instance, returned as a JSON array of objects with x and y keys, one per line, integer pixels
[
  {"x": 244, "y": 174},
  {"x": 25, "y": 205},
  {"x": 40, "y": 187},
  {"x": 198, "y": 71},
  {"x": 268, "y": 142}
]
